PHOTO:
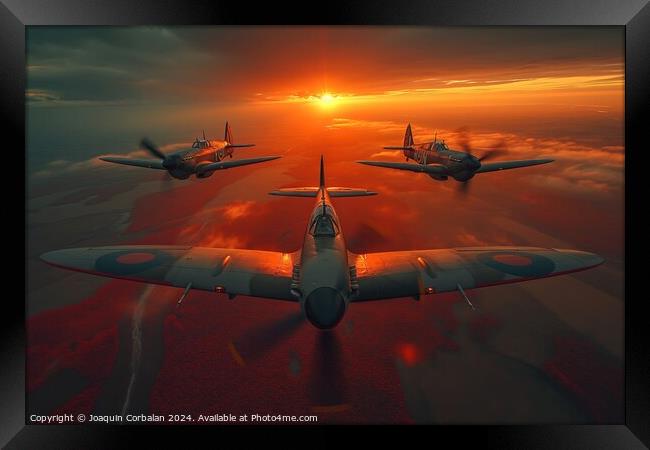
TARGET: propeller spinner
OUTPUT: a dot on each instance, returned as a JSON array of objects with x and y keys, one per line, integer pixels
[
  {"x": 473, "y": 163},
  {"x": 168, "y": 162}
]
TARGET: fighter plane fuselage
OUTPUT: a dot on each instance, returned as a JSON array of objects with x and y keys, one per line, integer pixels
[
  {"x": 324, "y": 275},
  {"x": 461, "y": 166},
  {"x": 202, "y": 152}
]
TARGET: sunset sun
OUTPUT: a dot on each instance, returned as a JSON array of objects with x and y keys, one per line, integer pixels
[{"x": 327, "y": 99}]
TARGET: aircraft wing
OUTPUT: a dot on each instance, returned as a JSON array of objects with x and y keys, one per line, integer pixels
[
  {"x": 435, "y": 169},
  {"x": 504, "y": 165},
  {"x": 148, "y": 163},
  {"x": 420, "y": 272},
  {"x": 235, "y": 272},
  {"x": 236, "y": 163}
]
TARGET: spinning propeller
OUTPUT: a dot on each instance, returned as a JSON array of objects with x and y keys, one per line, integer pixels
[
  {"x": 473, "y": 163},
  {"x": 325, "y": 371},
  {"x": 170, "y": 162}
]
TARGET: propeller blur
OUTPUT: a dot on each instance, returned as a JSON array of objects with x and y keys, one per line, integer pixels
[
  {"x": 440, "y": 162},
  {"x": 202, "y": 159}
]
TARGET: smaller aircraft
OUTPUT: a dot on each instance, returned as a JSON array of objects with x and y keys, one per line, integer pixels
[
  {"x": 440, "y": 162},
  {"x": 202, "y": 159}
]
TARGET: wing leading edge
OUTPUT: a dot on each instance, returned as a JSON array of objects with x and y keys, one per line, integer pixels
[
  {"x": 235, "y": 272},
  {"x": 235, "y": 163},
  {"x": 438, "y": 169},
  {"x": 414, "y": 273},
  {"x": 148, "y": 163},
  {"x": 505, "y": 165},
  {"x": 434, "y": 169},
  {"x": 268, "y": 274}
]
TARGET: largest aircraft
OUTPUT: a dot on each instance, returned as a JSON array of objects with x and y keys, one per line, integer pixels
[{"x": 324, "y": 277}]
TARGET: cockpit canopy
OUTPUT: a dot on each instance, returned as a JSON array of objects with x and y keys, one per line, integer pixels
[
  {"x": 441, "y": 146},
  {"x": 200, "y": 143},
  {"x": 324, "y": 225}
]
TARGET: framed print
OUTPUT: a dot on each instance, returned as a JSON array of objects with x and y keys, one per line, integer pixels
[{"x": 378, "y": 214}]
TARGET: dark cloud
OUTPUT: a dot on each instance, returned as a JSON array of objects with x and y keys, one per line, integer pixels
[
  {"x": 176, "y": 63},
  {"x": 132, "y": 64}
]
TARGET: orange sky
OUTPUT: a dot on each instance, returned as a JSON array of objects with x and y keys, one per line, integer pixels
[
  {"x": 341, "y": 92},
  {"x": 345, "y": 92},
  {"x": 112, "y": 85}
]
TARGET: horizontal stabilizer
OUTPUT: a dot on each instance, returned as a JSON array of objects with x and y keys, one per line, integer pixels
[
  {"x": 392, "y": 147},
  {"x": 348, "y": 192},
  {"x": 296, "y": 192},
  {"x": 435, "y": 169},
  {"x": 148, "y": 163},
  {"x": 240, "y": 145},
  {"x": 312, "y": 191},
  {"x": 504, "y": 165}
]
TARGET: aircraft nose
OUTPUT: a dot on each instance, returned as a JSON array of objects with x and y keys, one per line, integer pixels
[
  {"x": 472, "y": 163},
  {"x": 324, "y": 307},
  {"x": 172, "y": 162}
]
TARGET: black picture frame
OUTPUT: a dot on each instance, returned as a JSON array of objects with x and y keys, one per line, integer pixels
[{"x": 634, "y": 15}]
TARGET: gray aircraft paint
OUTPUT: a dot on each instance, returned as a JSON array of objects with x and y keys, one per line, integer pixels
[
  {"x": 323, "y": 276},
  {"x": 440, "y": 162},
  {"x": 202, "y": 160}
]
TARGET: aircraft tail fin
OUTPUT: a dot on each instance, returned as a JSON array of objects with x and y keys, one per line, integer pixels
[
  {"x": 322, "y": 172},
  {"x": 408, "y": 141},
  {"x": 227, "y": 136},
  {"x": 313, "y": 191},
  {"x": 408, "y": 136}
]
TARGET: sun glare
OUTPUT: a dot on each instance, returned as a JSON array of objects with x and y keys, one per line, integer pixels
[{"x": 326, "y": 97}]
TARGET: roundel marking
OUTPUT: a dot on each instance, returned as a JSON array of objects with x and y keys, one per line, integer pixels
[
  {"x": 135, "y": 258},
  {"x": 521, "y": 264},
  {"x": 513, "y": 260},
  {"x": 128, "y": 262}
]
